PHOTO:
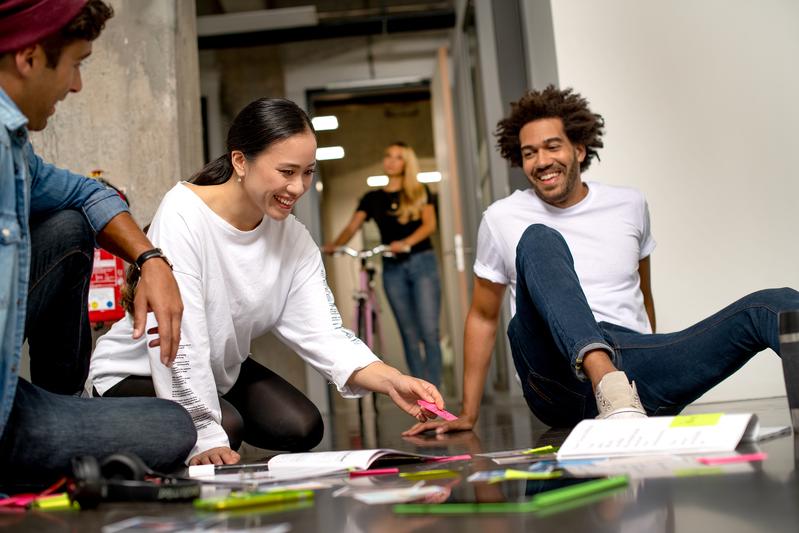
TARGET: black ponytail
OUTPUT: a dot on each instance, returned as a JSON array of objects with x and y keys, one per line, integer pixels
[
  {"x": 215, "y": 172},
  {"x": 258, "y": 126}
]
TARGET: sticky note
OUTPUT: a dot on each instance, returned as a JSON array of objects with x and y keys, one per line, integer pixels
[
  {"x": 446, "y": 415},
  {"x": 689, "y": 421}
]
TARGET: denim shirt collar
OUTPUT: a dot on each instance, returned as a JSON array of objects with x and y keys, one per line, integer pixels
[{"x": 12, "y": 118}]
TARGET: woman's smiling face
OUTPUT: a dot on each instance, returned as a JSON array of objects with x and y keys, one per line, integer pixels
[{"x": 280, "y": 175}]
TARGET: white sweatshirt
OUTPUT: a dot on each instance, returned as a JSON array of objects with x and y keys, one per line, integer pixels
[{"x": 236, "y": 286}]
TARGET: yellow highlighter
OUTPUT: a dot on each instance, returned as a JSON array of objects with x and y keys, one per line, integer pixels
[
  {"x": 239, "y": 500},
  {"x": 58, "y": 502}
]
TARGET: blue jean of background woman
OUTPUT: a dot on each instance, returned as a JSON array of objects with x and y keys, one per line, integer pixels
[{"x": 414, "y": 292}]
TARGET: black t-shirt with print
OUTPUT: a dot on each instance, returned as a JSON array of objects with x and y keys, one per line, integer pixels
[{"x": 381, "y": 206}]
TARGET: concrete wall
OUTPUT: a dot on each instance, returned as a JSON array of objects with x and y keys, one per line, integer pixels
[
  {"x": 312, "y": 66},
  {"x": 138, "y": 115},
  {"x": 231, "y": 79},
  {"x": 701, "y": 111}
]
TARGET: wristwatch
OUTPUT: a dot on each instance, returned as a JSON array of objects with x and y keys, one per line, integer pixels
[{"x": 149, "y": 254}]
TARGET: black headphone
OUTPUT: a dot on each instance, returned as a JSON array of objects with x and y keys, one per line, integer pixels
[{"x": 121, "y": 477}]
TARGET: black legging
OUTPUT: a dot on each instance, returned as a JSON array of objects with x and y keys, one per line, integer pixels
[{"x": 261, "y": 409}]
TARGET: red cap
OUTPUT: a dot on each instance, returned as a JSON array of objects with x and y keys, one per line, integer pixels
[{"x": 26, "y": 22}]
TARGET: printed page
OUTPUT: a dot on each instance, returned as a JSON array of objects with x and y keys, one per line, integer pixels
[
  {"x": 344, "y": 459},
  {"x": 702, "y": 433}
]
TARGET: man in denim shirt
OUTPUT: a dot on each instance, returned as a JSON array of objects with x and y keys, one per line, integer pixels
[{"x": 49, "y": 221}]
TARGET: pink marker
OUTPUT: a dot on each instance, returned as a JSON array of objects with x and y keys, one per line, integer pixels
[
  {"x": 374, "y": 472},
  {"x": 446, "y": 415},
  {"x": 448, "y": 458},
  {"x": 744, "y": 458}
]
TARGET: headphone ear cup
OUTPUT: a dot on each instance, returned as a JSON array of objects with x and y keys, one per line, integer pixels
[
  {"x": 88, "y": 486},
  {"x": 124, "y": 466}
]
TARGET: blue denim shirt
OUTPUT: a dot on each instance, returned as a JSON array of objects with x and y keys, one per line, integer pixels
[{"x": 30, "y": 186}]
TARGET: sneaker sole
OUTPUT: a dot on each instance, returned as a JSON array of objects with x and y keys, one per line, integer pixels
[{"x": 624, "y": 412}]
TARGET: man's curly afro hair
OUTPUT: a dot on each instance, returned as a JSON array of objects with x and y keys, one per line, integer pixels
[{"x": 580, "y": 124}]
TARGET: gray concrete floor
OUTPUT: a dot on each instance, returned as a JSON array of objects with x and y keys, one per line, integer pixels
[{"x": 766, "y": 499}]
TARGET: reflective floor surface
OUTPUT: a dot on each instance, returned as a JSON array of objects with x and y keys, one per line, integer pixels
[{"x": 764, "y": 499}]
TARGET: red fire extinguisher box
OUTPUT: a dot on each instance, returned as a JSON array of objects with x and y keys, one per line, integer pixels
[
  {"x": 108, "y": 276},
  {"x": 105, "y": 289}
]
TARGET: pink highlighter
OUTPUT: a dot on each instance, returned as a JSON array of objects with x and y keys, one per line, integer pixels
[{"x": 446, "y": 415}]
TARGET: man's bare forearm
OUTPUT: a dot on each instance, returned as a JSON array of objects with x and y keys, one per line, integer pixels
[
  {"x": 479, "y": 341},
  {"x": 123, "y": 237}
]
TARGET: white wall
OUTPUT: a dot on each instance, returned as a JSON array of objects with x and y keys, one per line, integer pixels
[{"x": 700, "y": 103}]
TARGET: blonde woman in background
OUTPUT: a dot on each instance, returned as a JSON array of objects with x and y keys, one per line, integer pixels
[{"x": 406, "y": 217}]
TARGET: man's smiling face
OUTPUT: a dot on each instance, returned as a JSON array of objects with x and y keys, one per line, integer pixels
[{"x": 551, "y": 162}]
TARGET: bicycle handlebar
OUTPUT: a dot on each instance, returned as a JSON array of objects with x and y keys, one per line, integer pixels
[{"x": 363, "y": 254}]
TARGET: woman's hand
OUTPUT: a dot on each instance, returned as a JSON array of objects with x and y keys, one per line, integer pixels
[
  {"x": 404, "y": 390},
  {"x": 216, "y": 456},
  {"x": 399, "y": 247},
  {"x": 328, "y": 248}
]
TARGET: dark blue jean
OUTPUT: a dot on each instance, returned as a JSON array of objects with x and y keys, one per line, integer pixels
[
  {"x": 46, "y": 430},
  {"x": 57, "y": 317},
  {"x": 414, "y": 293},
  {"x": 554, "y": 326}
]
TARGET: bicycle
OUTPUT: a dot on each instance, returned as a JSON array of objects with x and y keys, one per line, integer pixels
[
  {"x": 366, "y": 316},
  {"x": 366, "y": 320}
]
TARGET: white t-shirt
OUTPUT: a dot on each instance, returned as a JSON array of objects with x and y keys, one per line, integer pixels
[
  {"x": 607, "y": 233},
  {"x": 235, "y": 285}
]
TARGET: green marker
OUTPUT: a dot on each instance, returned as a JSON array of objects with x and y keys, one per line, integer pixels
[
  {"x": 572, "y": 492},
  {"x": 544, "y": 502},
  {"x": 463, "y": 508},
  {"x": 579, "y": 502},
  {"x": 238, "y": 500}
]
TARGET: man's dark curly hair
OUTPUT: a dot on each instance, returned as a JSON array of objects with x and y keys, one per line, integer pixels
[
  {"x": 580, "y": 124},
  {"x": 87, "y": 24}
]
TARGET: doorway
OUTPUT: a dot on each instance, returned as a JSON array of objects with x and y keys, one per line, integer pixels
[{"x": 370, "y": 119}]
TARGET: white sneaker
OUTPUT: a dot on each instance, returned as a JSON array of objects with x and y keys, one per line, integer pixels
[{"x": 617, "y": 398}]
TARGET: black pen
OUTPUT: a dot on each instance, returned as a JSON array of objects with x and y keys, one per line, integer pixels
[{"x": 211, "y": 470}]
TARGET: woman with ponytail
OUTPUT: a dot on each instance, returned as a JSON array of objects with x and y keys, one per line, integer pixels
[
  {"x": 406, "y": 217},
  {"x": 246, "y": 266}
]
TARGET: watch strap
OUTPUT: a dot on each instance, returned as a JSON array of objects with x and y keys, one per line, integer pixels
[{"x": 149, "y": 254}]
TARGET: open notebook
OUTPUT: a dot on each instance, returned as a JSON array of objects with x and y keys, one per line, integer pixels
[
  {"x": 658, "y": 435},
  {"x": 288, "y": 466},
  {"x": 345, "y": 459}
]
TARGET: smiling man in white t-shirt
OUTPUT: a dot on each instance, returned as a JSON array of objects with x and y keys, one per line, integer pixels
[{"x": 575, "y": 255}]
